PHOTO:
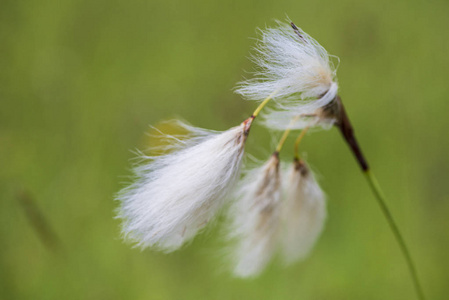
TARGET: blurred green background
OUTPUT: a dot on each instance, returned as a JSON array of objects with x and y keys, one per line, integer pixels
[{"x": 81, "y": 81}]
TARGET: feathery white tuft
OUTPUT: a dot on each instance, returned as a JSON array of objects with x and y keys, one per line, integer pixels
[
  {"x": 303, "y": 213},
  {"x": 292, "y": 66},
  {"x": 299, "y": 119},
  {"x": 177, "y": 194},
  {"x": 255, "y": 218}
]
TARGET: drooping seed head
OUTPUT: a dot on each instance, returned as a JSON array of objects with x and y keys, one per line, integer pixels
[
  {"x": 303, "y": 213},
  {"x": 255, "y": 218},
  {"x": 175, "y": 195}
]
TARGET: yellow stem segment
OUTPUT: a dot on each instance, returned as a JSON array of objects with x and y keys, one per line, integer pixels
[
  {"x": 282, "y": 140},
  {"x": 298, "y": 141},
  {"x": 262, "y": 105},
  {"x": 286, "y": 133}
]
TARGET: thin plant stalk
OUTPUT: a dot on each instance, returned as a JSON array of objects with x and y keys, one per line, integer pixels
[
  {"x": 283, "y": 139},
  {"x": 345, "y": 127},
  {"x": 262, "y": 105},
  {"x": 286, "y": 133},
  {"x": 374, "y": 185},
  {"x": 298, "y": 141}
]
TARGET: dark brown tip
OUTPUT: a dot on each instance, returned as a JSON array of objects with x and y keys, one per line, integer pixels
[
  {"x": 247, "y": 125},
  {"x": 276, "y": 160},
  {"x": 347, "y": 131},
  {"x": 300, "y": 166},
  {"x": 296, "y": 30}
]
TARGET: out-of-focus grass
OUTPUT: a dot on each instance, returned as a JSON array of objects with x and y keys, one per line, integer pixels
[{"x": 80, "y": 81}]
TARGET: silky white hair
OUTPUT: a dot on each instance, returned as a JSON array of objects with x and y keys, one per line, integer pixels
[
  {"x": 299, "y": 119},
  {"x": 255, "y": 218},
  {"x": 177, "y": 194},
  {"x": 303, "y": 213},
  {"x": 293, "y": 68}
]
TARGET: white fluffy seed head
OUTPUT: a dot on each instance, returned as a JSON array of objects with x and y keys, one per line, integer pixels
[
  {"x": 255, "y": 219},
  {"x": 303, "y": 213},
  {"x": 293, "y": 66},
  {"x": 177, "y": 194}
]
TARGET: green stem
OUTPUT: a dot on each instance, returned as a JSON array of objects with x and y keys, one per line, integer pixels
[
  {"x": 397, "y": 234},
  {"x": 346, "y": 130}
]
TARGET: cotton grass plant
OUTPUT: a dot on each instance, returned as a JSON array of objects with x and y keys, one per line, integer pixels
[{"x": 277, "y": 208}]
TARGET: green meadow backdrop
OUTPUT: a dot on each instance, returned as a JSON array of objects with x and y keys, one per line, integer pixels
[{"x": 81, "y": 81}]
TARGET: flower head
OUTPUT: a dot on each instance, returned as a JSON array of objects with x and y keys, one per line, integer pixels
[
  {"x": 177, "y": 194},
  {"x": 292, "y": 66},
  {"x": 255, "y": 218},
  {"x": 303, "y": 213}
]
